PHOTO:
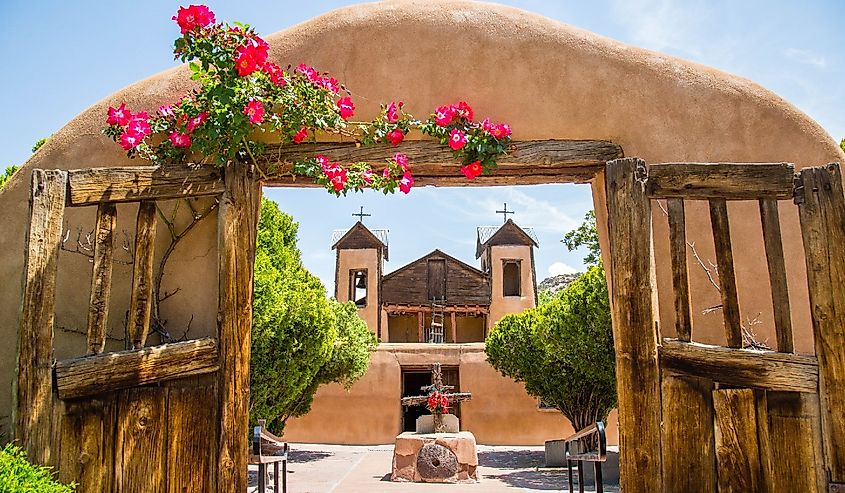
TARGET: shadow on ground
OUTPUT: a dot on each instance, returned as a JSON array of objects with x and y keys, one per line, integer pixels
[
  {"x": 511, "y": 459},
  {"x": 535, "y": 480},
  {"x": 301, "y": 456}
]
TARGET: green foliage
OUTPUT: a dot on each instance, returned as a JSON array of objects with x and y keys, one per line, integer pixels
[
  {"x": 585, "y": 235},
  {"x": 842, "y": 144},
  {"x": 10, "y": 170},
  {"x": 300, "y": 338},
  {"x": 17, "y": 475},
  {"x": 40, "y": 142},
  {"x": 545, "y": 296},
  {"x": 563, "y": 350}
]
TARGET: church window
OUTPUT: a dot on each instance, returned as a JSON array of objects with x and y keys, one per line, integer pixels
[
  {"x": 358, "y": 287},
  {"x": 510, "y": 278}
]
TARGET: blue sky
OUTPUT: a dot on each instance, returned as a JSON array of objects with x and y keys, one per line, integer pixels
[{"x": 61, "y": 57}]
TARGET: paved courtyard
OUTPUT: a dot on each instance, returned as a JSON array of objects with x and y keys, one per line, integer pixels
[{"x": 359, "y": 469}]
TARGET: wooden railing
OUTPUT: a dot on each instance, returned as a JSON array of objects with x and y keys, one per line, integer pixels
[{"x": 593, "y": 437}]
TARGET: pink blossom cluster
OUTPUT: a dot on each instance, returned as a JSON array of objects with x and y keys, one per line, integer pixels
[
  {"x": 194, "y": 16},
  {"x": 135, "y": 126}
]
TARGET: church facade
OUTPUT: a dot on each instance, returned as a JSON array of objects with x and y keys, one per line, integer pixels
[{"x": 436, "y": 309}]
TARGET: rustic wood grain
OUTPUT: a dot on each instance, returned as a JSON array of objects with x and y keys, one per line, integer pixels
[
  {"x": 537, "y": 161},
  {"x": 795, "y": 442},
  {"x": 465, "y": 285},
  {"x": 678, "y": 257},
  {"x": 237, "y": 226},
  {"x": 98, "y": 311},
  {"x": 777, "y": 274},
  {"x": 90, "y": 186},
  {"x": 822, "y": 212},
  {"x": 33, "y": 425},
  {"x": 191, "y": 441},
  {"x": 766, "y": 370},
  {"x": 88, "y": 445},
  {"x": 746, "y": 181},
  {"x": 634, "y": 334},
  {"x": 727, "y": 277},
  {"x": 737, "y": 448},
  {"x": 689, "y": 453},
  {"x": 141, "y": 297},
  {"x": 420, "y": 328},
  {"x": 93, "y": 375},
  {"x": 141, "y": 454},
  {"x": 764, "y": 442}
]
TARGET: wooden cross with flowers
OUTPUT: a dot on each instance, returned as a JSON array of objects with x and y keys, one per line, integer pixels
[{"x": 438, "y": 399}]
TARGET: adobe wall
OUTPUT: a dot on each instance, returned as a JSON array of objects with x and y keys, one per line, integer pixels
[
  {"x": 501, "y": 305},
  {"x": 547, "y": 79},
  {"x": 364, "y": 258}
]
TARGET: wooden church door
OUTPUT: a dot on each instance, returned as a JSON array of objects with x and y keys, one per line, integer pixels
[{"x": 437, "y": 279}]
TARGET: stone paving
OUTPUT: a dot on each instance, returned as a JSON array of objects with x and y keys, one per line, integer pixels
[{"x": 366, "y": 469}]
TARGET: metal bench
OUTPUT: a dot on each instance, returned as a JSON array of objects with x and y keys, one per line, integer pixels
[
  {"x": 265, "y": 446},
  {"x": 592, "y": 437}
]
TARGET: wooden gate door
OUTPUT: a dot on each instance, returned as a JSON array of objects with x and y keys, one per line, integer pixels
[
  {"x": 696, "y": 417},
  {"x": 168, "y": 418}
]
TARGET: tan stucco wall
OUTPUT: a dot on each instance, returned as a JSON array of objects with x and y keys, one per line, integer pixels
[
  {"x": 500, "y": 412},
  {"x": 546, "y": 79},
  {"x": 365, "y": 258},
  {"x": 501, "y": 305}
]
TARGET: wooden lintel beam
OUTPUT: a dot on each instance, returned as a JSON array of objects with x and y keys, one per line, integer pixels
[
  {"x": 742, "y": 367},
  {"x": 91, "y": 186},
  {"x": 94, "y": 375},
  {"x": 729, "y": 181}
]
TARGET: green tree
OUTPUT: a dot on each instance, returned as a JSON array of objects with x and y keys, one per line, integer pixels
[
  {"x": 842, "y": 144},
  {"x": 585, "y": 235},
  {"x": 10, "y": 170},
  {"x": 563, "y": 351}
]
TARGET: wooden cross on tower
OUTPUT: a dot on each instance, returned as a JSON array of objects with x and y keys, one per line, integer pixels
[
  {"x": 437, "y": 386},
  {"x": 361, "y": 215},
  {"x": 505, "y": 212}
]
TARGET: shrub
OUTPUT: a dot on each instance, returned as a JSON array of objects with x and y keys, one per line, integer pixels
[{"x": 17, "y": 475}]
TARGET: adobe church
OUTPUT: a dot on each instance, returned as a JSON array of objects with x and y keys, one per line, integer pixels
[{"x": 436, "y": 309}]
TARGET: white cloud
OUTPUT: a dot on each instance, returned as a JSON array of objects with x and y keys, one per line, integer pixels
[
  {"x": 806, "y": 57},
  {"x": 662, "y": 24},
  {"x": 559, "y": 268}
]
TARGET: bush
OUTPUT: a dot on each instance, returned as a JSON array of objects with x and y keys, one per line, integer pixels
[
  {"x": 17, "y": 475},
  {"x": 563, "y": 350}
]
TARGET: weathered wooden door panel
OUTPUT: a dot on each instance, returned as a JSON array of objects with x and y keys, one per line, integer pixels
[{"x": 436, "y": 279}]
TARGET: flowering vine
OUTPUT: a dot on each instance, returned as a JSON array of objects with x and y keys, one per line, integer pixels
[{"x": 245, "y": 100}]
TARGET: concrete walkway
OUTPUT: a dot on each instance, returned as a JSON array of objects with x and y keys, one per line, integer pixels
[{"x": 366, "y": 469}]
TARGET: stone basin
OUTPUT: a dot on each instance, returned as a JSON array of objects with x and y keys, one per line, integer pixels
[{"x": 435, "y": 458}]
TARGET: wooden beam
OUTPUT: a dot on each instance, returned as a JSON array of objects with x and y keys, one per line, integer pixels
[
  {"x": 454, "y": 328},
  {"x": 420, "y": 323},
  {"x": 91, "y": 186},
  {"x": 765, "y": 370},
  {"x": 98, "y": 311},
  {"x": 528, "y": 162},
  {"x": 737, "y": 447},
  {"x": 94, "y": 375},
  {"x": 795, "y": 442},
  {"x": 141, "y": 297},
  {"x": 236, "y": 232},
  {"x": 777, "y": 273},
  {"x": 730, "y": 181},
  {"x": 725, "y": 264},
  {"x": 680, "y": 275},
  {"x": 689, "y": 455},
  {"x": 821, "y": 209},
  {"x": 634, "y": 333},
  {"x": 32, "y": 421}
]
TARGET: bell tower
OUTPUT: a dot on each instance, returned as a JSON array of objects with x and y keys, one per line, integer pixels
[{"x": 360, "y": 256}]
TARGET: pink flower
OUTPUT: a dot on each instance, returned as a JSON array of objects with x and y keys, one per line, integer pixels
[
  {"x": 486, "y": 125},
  {"x": 166, "y": 110},
  {"x": 329, "y": 83},
  {"x": 196, "y": 121},
  {"x": 251, "y": 56},
  {"x": 323, "y": 161},
  {"x": 386, "y": 172},
  {"x": 472, "y": 170},
  {"x": 180, "y": 139},
  {"x": 119, "y": 116},
  {"x": 392, "y": 112},
  {"x": 255, "y": 111},
  {"x": 463, "y": 110},
  {"x": 192, "y": 17},
  {"x": 401, "y": 161},
  {"x": 346, "y": 107},
  {"x": 444, "y": 115},
  {"x": 130, "y": 140},
  {"x": 276, "y": 74},
  {"x": 406, "y": 183},
  {"x": 367, "y": 176},
  {"x": 395, "y": 136},
  {"x": 310, "y": 72},
  {"x": 139, "y": 124},
  {"x": 336, "y": 175},
  {"x": 457, "y": 139},
  {"x": 501, "y": 131},
  {"x": 300, "y": 136}
]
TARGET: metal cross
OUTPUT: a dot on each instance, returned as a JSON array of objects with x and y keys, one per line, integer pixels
[
  {"x": 361, "y": 215},
  {"x": 505, "y": 212}
]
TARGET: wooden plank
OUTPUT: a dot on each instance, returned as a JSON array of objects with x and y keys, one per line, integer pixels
[
  {"x": 141, "y": 298},
  {"x": 680, "y": 279},
  {"x": 634, "y": 334},
  {"x": 737, "y": 448},
  {"x": 190, "y": 439},
  {"x": 764, "y": 442},
  {"x": 90, "y": 186},
  {"x": 141, "y": 452},
  {"x": 765, "y": 370},
  {"x": 689, "y": 453},
  {"x": 535, "y": 161},
  {"x": 33, "y": 426},
  {"x": 745, "y": 181},
  {"x": 794, "y": 440},
  {"x": 727, "y": 277},
  {"x": 98, "y": 311},
  {"x": 88, "y": 445},
  {"x": 236, "y": 232},
  {"x": 93, "y": 375},
  {"x": 772, "y": 240},
  {"x": 454, "y": 328},
  {"x": 420, "y": 330},
  {"x": 822, "y": 213}
]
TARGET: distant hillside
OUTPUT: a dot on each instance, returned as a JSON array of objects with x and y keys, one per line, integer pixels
[{"x": 556, "y": 283}]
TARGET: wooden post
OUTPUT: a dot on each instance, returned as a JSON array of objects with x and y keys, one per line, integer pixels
[
  {"x": 770, "y": 220},
  {"x": 237, "y": 227},
  {"x": 98, "y": 311},
  {"x": 821, "y": 208},
  {"x": 680, "y": 276},
  {"x": 454, "y": 321},
  {"x": 420, "y": 323},
  {"x": 33, "y": 420},
  {"x": 635, "y": 337},
  {"x": 737, "y": 446},
  {"x": 141, "y": 300},
  {"x": 727, "y": 278}
]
